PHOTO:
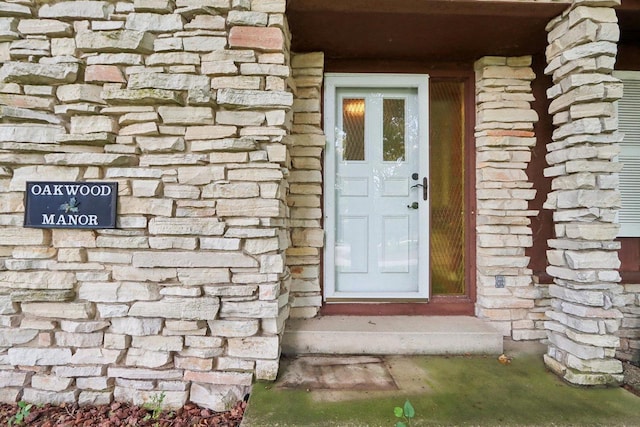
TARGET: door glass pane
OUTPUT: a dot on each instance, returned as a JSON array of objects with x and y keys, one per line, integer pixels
[
  {"x": 393, "y": 130},
  {"x": 353, "y": 128},
  {"x": 447, "y": 187}
]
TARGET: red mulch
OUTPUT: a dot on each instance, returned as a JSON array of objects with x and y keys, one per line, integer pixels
[{"x": 122, "y": 414}]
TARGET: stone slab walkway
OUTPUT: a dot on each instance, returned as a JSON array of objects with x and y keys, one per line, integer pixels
[{"x": 316, "y": 391}]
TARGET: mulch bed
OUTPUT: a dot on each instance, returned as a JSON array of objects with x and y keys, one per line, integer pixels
[{"x": 122, "y": 414}]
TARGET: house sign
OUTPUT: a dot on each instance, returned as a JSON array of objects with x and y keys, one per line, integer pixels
[{"x": 55, "y": 204}]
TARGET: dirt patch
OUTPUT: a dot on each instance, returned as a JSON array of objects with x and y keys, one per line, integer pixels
[{"x": 121, "y": 414}]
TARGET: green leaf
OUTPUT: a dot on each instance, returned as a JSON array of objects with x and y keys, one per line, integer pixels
[
  {"x": 409, "y": 412},
  {"x": 397, "y": 411},
  {"x": 400, "y": 424}
]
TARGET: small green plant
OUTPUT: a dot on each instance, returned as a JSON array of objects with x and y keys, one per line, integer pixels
[
  {"x": 155, "y": 406},
  {"x": 24, "y": 409},
  {"x": 406, "y": 413}
]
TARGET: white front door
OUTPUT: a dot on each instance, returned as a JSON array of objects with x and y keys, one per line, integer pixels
[{"x": 376, "y": 187}]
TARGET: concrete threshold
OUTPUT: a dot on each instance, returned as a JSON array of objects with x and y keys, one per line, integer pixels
[{"x": 391, "y": 335}]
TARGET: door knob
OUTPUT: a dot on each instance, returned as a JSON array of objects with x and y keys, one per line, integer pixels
[{"x": 413, "y": 205}]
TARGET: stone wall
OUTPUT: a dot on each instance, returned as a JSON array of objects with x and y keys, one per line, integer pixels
[
  {"x": 185, "y": 104},
  {"x": 629, "y": 332},
  {"x": 583, "y": 259},
  {"x": 306, "y": 144},
  {"x": 507, "y": 295}
]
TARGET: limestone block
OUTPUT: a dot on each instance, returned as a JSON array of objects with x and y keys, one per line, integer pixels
[
  {"x": 49, "y": 27},
  {"x": 118, "y": 291},
  {"x": 206, "y": 22},
  {"x": 42, "y": 397},
  {"x": 236, "y": 82},
  {"x": 80, "y": 93},
  {"x": 134, "y": 205},
  {"x": 154, "y": 23},
  {"x": 219, "y": 377},
  {"x": 184, "y": 226},
  {"x": 234, "y": 328},
  {"x": 136, "y": 326},
  {"x": 115, "y": 41},
  {"x": 220, "y": 244},
  {"x": 158, "y": 343},
  {"x": 33, "y": 356},
  {"x": 254, "y": 347},
  {"x": 178, "y": 308},
  {"x": 216, "y": 397},
  {"x": 160, "y": 144},
  {"x": 95, "y": 356},
  {"x": 593, "y": 231},
  {"x": 83, "y": 327},
  {"x": 271, "y": 6},
  {"x": 245, "y": 99},
  {"x": 35, "y": 133},
  {"x": 228, "y": 145},
  {"x": 592, "y": 259},
  {"x": 204, "y": 43},
  {"x": 66, "y": 310},
  {"x": 161, "y": 6},
  {"x": 147, "y": 358},
  {"x": 14, "y": 378},
  {"x": 88, "y": 124},
  {"x": 255, "y": 175},
  {"x": 203, "y": 276},
  {"x": 172, "y": 399},
  {"x": 51, "y": 280},
  {"x": 250, "y": 208},
  {"x": 78, "y": 371},
  {"x": 251, "y": 19},
  {"x": 249, "y": 309},
  {"x": 11, "y": 337},
  {"x": 186, "y": 115},
  {"x": 23, "y": 114},
  {"x": 91, "y": 159},
  {"x": 94, "y": 398},
  {"x": 73, "y": 339},
  {"x": 173, "y": 58},
  {"x": 80, "y": 9},
  {"x": 167, "y": 81},
  {"x": 32, "y": 173},
  {"x": 173, "y": 243},
  {"x": 9, "y": 29}
]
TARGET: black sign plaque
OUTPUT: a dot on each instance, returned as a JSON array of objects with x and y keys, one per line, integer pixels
[{"x": 56, "y": 204}]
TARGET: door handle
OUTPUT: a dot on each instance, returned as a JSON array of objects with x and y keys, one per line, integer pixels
[
  {"x": 425, "y": 188},
  {"x": 413, "y": 205}
]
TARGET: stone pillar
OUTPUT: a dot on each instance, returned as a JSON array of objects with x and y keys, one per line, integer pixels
[
  {"x": 583, "y": 258},
  {"x": 306, "y": 144},
  {"x": 504, "y": 137}
]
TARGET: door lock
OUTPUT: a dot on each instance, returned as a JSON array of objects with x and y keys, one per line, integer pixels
[
  {"x": 425, "y": 187},
  {"x": 413, "y": 205}
]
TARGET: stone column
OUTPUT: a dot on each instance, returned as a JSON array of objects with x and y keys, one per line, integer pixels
[
  {"x": 306, "y": 144},
  {"x": 583, "y": 258},
  {"x": 504, "y": 137}
]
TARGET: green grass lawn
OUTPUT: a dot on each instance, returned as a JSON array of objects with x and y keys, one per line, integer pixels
[{"x": 456, "y": 391}]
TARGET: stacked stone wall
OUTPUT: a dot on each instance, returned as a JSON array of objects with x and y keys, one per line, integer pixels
[
  {"x": 185, "y": 104},
  {"x": 506, "y": 293},
  {"x": 629, "y": 332},
  {"x": 583, "y": 260},
  {"x": 306, "y": 144}
]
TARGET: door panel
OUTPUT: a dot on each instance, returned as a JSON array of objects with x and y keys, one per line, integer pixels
[{"x": 376, "y": 216}]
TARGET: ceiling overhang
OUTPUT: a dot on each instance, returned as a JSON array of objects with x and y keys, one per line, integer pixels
[{"x": 422, "y": 30}]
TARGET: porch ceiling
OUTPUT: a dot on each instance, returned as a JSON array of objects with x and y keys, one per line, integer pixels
[{"x": 423, "y": 30}]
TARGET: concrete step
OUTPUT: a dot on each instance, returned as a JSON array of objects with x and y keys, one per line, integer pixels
[{"x": 380, "y": 335}]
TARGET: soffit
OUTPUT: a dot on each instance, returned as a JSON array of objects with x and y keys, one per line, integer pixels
[{"x": 429, "y": 30}]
